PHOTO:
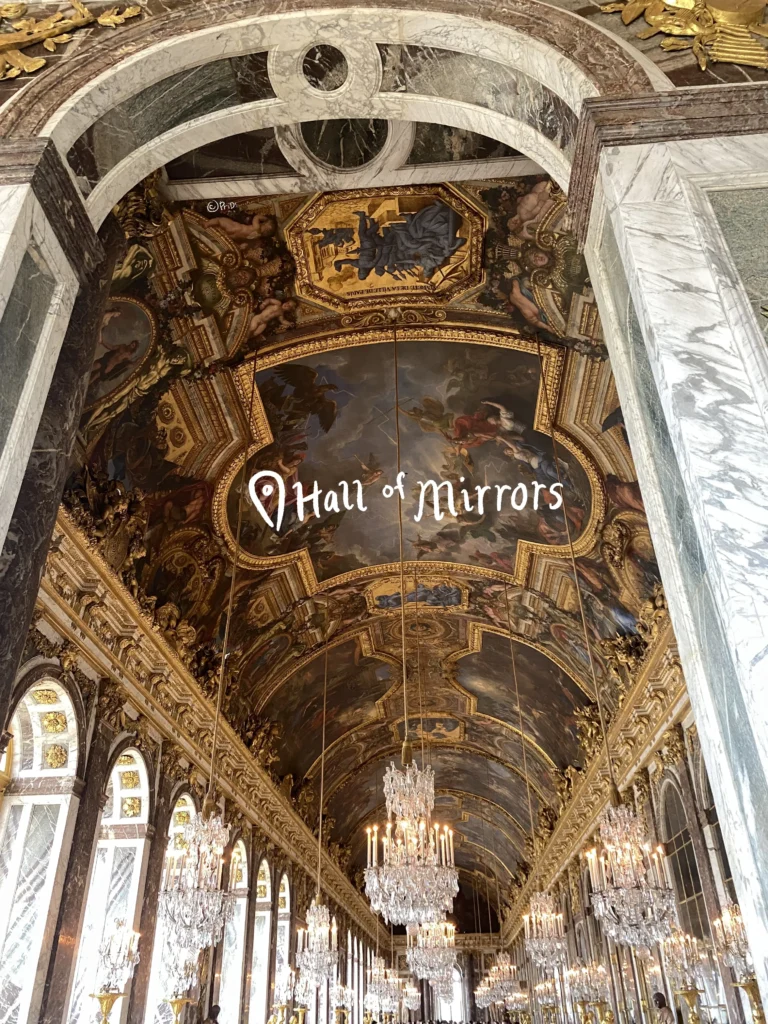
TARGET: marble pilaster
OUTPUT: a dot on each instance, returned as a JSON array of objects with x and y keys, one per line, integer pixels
[
  {"x": 163, "y": 809},
  {"x": 691, "y": 368},
  {"x": 61, "y": 965},
  {"x": 29, "y": 534}
]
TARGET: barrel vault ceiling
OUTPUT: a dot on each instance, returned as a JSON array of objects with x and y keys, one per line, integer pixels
[{"x": 479, "y": 287}]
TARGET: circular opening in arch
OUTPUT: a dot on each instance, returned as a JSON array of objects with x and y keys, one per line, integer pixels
[
  {"x": 325, "y": 67},
  {"x": 345, "y": 143}
]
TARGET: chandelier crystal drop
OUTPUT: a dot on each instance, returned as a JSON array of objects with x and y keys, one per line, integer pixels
[
  {"x": 731, "y": 943},
  {"x": 544, "y": 934},
  {"x": 192, "y": 903},
  {"x": 630, "y": 892},
  {"x": 414, "y": 879},
  {"x": 317, "y": 952},
  {"x": 431, "y": 949},
  {"x": 443, "y": 989}
]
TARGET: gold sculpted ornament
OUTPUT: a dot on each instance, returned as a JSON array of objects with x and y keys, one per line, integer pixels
[
  {"x": 51, "y": 32},
  {"x": 719, "y": 31}
]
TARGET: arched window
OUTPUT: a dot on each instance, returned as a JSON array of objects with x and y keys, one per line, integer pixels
[
  {"x": 231, "y": 982},
  {"x": 679, "y": 847},
  {"x": 117, "y": 869},
  {"x": 257, "y": 1013},
  {"x": 283, "y": 929},
  {"x": 158, "y": 1011},
  {"x": 39, "y": 768}
]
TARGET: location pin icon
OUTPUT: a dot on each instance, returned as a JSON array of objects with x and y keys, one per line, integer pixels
[{"x": 267, "y": 490}]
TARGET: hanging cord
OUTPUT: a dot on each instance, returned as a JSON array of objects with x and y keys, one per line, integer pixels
[
  {"x": 322, "y": 752},
  {"x": 519, "y": 711},
  {"x": 407, "y": 755},
  {"x": 209, "y": 803},
  {"x": 494, "y": 851},
  {"x": 614, "y": 787},
  {"x": 418, "y": 666}
]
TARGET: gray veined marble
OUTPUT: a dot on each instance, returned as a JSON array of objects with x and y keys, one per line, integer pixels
[
  {"x": 742, "y": 214},
  {"x": 431, "y": 71},
  {"x": 158, "y": 108}
]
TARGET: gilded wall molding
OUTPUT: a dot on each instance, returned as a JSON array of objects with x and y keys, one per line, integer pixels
[{"x": 85, "y": 604}]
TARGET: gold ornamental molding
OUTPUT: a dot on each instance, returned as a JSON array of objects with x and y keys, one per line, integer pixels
[
  {"x": 656, "y": 699},
  {"x": 554, "y": 361},
  {"x": 88, "y": 606}
]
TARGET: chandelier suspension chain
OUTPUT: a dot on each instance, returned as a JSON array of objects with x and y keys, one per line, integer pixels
[
  {"x": 400, "y": 536},
  {"x": 519, "y": 709},
  {"x": 322, "y": 748},
  {"x": 225, "y": 643},
  {"x": 418, "y": 666},
  {"x": 600, "y": 712}
]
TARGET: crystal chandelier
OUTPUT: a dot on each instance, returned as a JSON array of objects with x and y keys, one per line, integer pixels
[
  {"x": 546, "y": 993},
  {"x": 443, "y": 989},
  {"x": 731, "y": 942},
  {"x": 589, "y": 986},
  {"x": 118, "y": 956},
  {"x": 343, "y": 997},
  {"x": 517, "y": 1002},
  {"x": 544, "y": 935},
  {"x": 192, "y": 903},
  {"x": 630, "y": 892},
  {"x": 317, "y": 948},
  {"x": 503, "y": 977},
  {"x": 411, "y": 997},
  {"x": 431, "y": 949},
  {"x": 483, "y": 996},
  {"x": 415, "y": 880},
  {"x": 383, "y": 987}
]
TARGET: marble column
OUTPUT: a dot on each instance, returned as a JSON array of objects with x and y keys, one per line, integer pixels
[
  {"x": 61, "y": 965},
  {"x": 26, "y": 545},
  {"x": 689, "y": 355}
]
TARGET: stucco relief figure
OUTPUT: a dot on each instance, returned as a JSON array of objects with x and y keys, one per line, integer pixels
[{"x": 423, "y": 240}]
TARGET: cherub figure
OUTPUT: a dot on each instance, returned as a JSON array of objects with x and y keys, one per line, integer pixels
[
  {"x": 269, "y": 310},
  {"x": 261, "y": 225}
]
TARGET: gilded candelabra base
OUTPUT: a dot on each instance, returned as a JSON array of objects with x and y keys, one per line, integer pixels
[
  {"x": 690, "y": 995},
  {"x": 177, "y": 1004},
  {"x": 604, "y": 1012},
  {"x": 106, "y": 1001},
  {"x": 755, "y": 1003},
  {"x": 585, "y": 1014}
]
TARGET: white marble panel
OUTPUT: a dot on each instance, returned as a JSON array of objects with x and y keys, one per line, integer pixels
[
  {"x": 352, "y": 29},
  {"x": 273, "y": 113},
  {"x": 421, "y": 174},
  {"x": 691, "y": 369},
  {"x": 28, "y": 227}
]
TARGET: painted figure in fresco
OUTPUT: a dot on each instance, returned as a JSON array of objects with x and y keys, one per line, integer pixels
[
  {"x": 423, "y": 240},
  {"x": 442, "y": 595},
  {"x": 531, "y": 209},
  {"x": 270, "y": 310},
  {"x": 115, "y": 361},
  {"x": 261, "y": 225}
]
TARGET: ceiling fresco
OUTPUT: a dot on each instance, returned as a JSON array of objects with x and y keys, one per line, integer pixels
[{"x": 263, "y": 336}]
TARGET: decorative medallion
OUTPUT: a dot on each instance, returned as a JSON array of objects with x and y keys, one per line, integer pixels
[
  {"x": 54, "y": 721},
  {"x": 380, "y": 247},
  {"x": 45, "y": 697},
  {"x": 129, "y": 780},
  {"x": 181, "y": 818},
  {"x": 56, "y": 756},
  {"x": 126, "y": 759},
  {"x": 130, "y": 807}
]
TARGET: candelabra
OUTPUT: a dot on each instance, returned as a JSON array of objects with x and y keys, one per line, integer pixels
[
  {"x": 343, "y": 999},
  {"x": 118, "y": 956},
  {"x": 414, "y": 879},
  {"x": 630, "y": 892},
  {"x": 431, "y": 949},
  {"x": 683, "y": 954},
  {"x": 544, "y": 934},
  {"x": 733, "y": 949},
  {"x": 546, "y": 997},
  {"x": 193, "y": 904},
  {"x": 590, "y": 987}
]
